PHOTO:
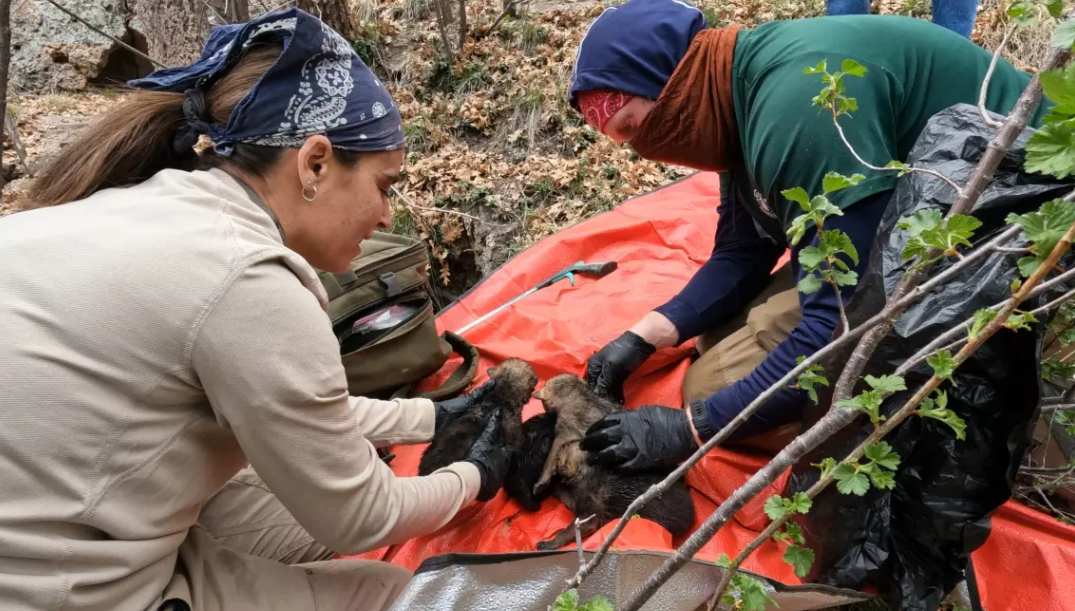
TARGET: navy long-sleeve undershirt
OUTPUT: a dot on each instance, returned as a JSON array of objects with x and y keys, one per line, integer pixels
[{"x": 735, "y": 273}]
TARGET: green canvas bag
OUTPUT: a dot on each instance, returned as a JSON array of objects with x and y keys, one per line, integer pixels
[{"x": 382, "y": 314}]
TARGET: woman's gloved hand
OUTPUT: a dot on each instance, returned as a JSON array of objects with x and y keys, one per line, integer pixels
[
  {"x": 450, "y": 409},
  {"x": 609, "y": 367},
  {"x": 641, "y": 439},
  {"x": 491, "y": 457}
]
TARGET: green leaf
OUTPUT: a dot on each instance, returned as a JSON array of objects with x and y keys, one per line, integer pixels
[
  {"x": 597, "y": 603},
  {"x": 845, "y": 278},
  {"x": 1020, "y": 321},
  {"x": 846, "y": 106},
  {"x": 850, "y": 481},
  {"x": 568, "y": 601},
  {"x": 1055, "y": 8},
  {"x": 794, "y": 532},
  {"x": 852, "y": 67},
  {"x": 809, "y": 285},
  {"x": 834, "y": 181},
  {"x": 1016, "y": 285},
  {"x": 1053, "y": 367},
  {"x": 810, "y": 378},
  {"x": 920, "y": 221},
  {"x": 826, "y": 465},
  {"x": 1029, "y": 265},
  {"x": 1067, "y": 338},
  {"x": 1051, "y": 149},
  {"x": 797, "y": 229},
  {"x": 800, "y": 558},
  {"x": 904, "y": 168},
  {"x": 751, "y": 592},
  {"x": 799, "y": 196},
  {"x": 1064, "y": 35},
  {"x": 885, "y": 480},
  {"x": 882, "y": 454},
  {"x": 1044, "y": 228},
  {"x": 869, "y": 401},
  {"x": 981, "y": 318},
  {"x": 1059, "y": 86},
  {"x": 1022, "y": 14},
  {"x": 823, "y": 208},
  {"x": 820, "y": 68},
  {"x": 810, "y": 257},
  {"x": 724, "y": 561},
  {"x": 774, "y": 507},
  {"x": 943, "y": 364},
  {"x": 886, "y": 383},
  {"x": 800, "y": 503},
  {"x": 938, "y": 411},
  {"x": 833, "y": 242},
  {"x": 961, "y": 228}
]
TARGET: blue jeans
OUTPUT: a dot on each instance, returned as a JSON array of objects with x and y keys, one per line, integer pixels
[{"x": 956, "y": 15}]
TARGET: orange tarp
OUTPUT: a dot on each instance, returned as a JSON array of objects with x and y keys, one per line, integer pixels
[{"x": 658, "y": 241}]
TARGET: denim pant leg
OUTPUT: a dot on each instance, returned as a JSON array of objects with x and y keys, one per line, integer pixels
[
  {"x": 956, "y": 15},
  {"x": 848, "y": 7}
]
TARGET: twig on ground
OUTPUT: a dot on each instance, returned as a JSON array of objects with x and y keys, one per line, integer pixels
[
  {"x": 16, "y": 144},
  {"x": 411, "y": 204},
  {"x": 1057, "y": 408},
  {"x": 983, "y": 93},
  {"x": 108, "y": 36},
  {"x": 507, "y": 9}
]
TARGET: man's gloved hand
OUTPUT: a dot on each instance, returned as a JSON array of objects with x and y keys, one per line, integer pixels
[
  {"x": 641, "y": 439},
  {"x": 607, "y": 369},
  {"x": 491, "y": 457},
  {"x": 450, "y": 409}
]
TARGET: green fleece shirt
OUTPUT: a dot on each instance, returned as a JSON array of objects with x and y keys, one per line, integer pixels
[{"x": 915, "y": 69}]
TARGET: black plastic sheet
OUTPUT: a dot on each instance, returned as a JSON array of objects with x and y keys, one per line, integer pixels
[{"x": 912, "y": 543}]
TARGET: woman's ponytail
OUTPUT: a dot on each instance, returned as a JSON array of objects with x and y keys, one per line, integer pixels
[{"x": 134, "y": 141}]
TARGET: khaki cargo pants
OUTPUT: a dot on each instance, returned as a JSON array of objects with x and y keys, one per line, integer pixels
[
  {"x": 249, "y": 554},
  {"x": 732, "y": 351}
]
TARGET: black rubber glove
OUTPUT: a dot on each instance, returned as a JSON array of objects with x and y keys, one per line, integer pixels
[
  {"x": 450, "y": 409},
  {"x": 609, "y": 367},
  {"x": 491, "y": 457},
  {"x": 638, "y": 440}
]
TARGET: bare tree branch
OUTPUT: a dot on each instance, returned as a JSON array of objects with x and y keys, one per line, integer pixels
[
  {"x": 12, "y": 132},
  {"x": 5, "y": 63},
  {"x": 990, "y": 121},
  {"x": 415, "y": 206},
  {"x": 976, "y": 185},
  {"x": 836, "y": 419},
  {"x": 108, "y": 36}
]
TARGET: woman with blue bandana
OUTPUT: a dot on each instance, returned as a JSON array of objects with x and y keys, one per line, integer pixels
[{"x": 175, "y": 427}]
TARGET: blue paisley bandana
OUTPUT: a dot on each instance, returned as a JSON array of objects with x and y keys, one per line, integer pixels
[{"x": 317, "y": 86}]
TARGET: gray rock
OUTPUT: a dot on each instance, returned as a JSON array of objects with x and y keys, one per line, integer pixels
[{"x": 51, "y": 51}]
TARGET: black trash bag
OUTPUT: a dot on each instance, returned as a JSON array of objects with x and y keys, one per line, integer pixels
[{"x": 912, "y": 543}]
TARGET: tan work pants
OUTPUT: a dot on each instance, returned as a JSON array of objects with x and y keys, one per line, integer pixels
[
  {"x": 732, "y": 351},
  {"x": 248, "y": 552}
]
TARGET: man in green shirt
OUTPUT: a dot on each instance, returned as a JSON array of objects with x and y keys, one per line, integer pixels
[{"x": 738, "y": 102}]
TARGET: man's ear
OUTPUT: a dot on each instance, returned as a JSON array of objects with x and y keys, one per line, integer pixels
[{"x": 314, "y": 158}]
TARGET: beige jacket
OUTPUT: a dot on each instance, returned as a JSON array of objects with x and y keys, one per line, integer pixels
[{"x": 154, "y": 339}]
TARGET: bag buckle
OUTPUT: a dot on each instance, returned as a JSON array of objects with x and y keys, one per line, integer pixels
[{"x": 390, "y": 284}]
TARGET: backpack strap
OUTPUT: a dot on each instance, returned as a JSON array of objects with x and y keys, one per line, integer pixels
[{"x": 460, "y": 378}]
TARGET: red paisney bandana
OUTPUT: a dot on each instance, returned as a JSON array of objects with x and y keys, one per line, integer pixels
[{"x": 599, "y": 105}]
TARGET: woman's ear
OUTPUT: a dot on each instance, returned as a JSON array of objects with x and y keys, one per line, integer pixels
[{"x": 314, "y": 159}]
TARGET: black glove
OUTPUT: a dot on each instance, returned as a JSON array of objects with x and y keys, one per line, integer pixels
[
  {"x": 491, "y": 457},
  {"x": 450, "y": 409},
  {"x": 641, "y": 439},
  {"x": 609, "y": 367}
]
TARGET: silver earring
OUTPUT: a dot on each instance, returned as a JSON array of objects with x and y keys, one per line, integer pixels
[{"x": 309, "y": 185}]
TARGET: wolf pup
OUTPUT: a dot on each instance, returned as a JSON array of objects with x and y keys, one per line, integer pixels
[
  {"x": 591, "y": 490},
  {"x": 513, "y": 383}
]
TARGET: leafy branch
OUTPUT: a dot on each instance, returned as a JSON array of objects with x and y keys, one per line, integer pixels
[{"x": 833, "y": 98}]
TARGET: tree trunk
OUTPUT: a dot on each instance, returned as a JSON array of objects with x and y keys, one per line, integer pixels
[
  {"x": 462, "y": 24},
  {"x": 5, "y": 61},
  {"x": 175, "y": 30},
  {"x": 335, "y": 13}
]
